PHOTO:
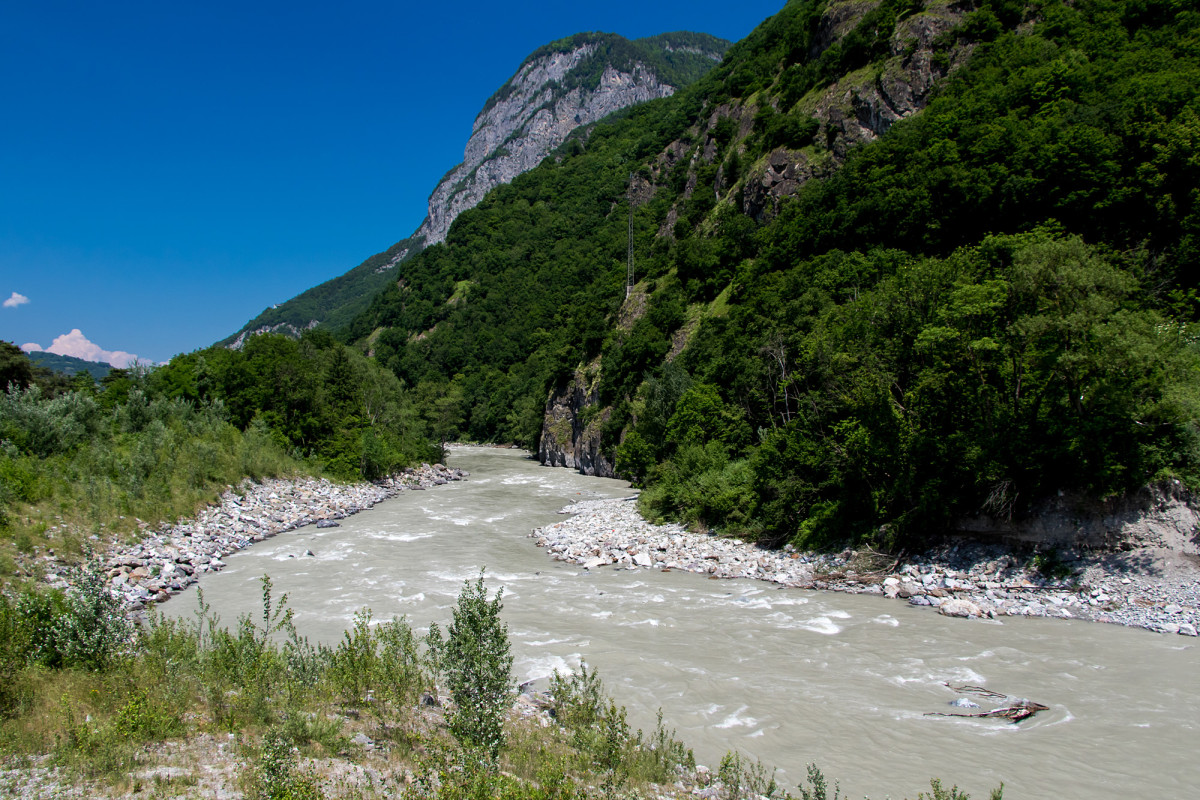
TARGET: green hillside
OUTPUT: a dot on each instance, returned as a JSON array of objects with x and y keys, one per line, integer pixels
[
  {"x": 992, "y": 301},
  {"x": 338, "y": 300},
  {"x": 69, "y": 365}
]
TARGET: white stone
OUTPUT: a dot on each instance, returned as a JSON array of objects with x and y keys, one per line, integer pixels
[{"x": 957, "y": 607}]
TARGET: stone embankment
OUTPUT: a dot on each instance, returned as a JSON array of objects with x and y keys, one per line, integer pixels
[
  {"x": 171, "y": 559},
  {"x": 1148, "y": 589}
]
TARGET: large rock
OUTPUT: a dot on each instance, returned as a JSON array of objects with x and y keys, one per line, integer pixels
[
  {"x": 957, "y": 607},
  {"x": 531, "y": 116},
  {"x": 567, "y": 440}
]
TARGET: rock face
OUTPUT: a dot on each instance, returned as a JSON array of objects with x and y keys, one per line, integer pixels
[
  {"x": 286, "y": 328},
  {"x": 535, "y": 115},
  {"x": 569, "y": 437},
  {"x": 863, "y": 105},
  {"x": 1165, "y": 516}
]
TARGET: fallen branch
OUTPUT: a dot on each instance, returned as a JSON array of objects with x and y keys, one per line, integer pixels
[{"x": 1016, "y": 711}]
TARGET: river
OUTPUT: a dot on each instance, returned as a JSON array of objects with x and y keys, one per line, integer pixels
[{"x": 788, "y": 676}]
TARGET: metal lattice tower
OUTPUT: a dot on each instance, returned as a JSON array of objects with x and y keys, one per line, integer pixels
[{"x": 629, "y": 267}]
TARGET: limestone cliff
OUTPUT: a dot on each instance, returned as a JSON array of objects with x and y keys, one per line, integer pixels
[{"x": 515, "y": 134}]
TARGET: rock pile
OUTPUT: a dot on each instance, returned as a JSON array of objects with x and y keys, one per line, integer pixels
[
  {"x": 171, "y": 559},
  {"x": 968, "y": 580}
]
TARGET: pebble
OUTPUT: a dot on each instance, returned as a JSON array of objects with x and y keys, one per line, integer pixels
[
  {"x": 969, "y": 580},
  {"x": 174, "y": 557}
]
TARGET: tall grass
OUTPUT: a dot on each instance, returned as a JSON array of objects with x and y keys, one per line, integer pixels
[
  {"x": 290, "y": 703},
  {"x": 70, "y": 469}
]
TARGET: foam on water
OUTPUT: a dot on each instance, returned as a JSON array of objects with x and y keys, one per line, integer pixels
[
  {"x": 750, "y": 605},
  {"x": 398, "y": 537},
  {"x": 790, "y": 600},
  {"x": 544, "y": 666},
  {"x": 822, "y": 625},
  {"x": 736, "y": 720}
]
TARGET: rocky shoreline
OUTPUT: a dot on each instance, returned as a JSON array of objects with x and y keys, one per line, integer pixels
[
  {"x": 1152, "y": 589},
  {"x": 167, "y": 561}
]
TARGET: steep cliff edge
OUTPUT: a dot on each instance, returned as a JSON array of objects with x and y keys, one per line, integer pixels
[
  {"x": 571, "y": 428},
  {"x": 562, "y": 86}
]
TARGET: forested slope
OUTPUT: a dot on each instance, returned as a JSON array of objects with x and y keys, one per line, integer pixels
[{"x": 896, "y": 261}]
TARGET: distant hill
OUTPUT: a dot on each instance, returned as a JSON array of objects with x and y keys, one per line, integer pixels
[{"x": 69, "y": 365}]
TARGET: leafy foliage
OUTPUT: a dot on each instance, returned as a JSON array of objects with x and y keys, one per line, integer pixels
[
  {"x": 476, "y": 661},
  {"x": 155, "y": 443},
  {"x": 992, "y": 302}
]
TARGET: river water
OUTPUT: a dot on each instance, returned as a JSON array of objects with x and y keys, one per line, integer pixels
[{"x": 787, "y": 676}]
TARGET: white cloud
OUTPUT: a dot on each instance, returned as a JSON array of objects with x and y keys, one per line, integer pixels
[
  {"x": 77, "y": 345},
  {"x": 16, "y": 300}
]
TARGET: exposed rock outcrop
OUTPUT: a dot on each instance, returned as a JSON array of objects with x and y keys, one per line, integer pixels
[
  {"x": 536, "y": 116},
  {"x": 286, "y": 328},
  {"x": 558, "y": 89},
  {"x": 1165, "y": 517},
  {"x": 863, "y": 105},
  {"x": 571, "y": 428}
]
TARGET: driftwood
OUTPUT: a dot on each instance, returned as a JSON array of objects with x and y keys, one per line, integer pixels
[{"x": 1013, "y": 712}]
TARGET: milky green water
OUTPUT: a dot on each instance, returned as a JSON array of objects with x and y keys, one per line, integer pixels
[{"x": 783, "y": 675}]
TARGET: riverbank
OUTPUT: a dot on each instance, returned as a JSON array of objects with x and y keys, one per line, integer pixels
[
  {"x": 1153, "y": 589},
  {"x": 168, "y": 560}
]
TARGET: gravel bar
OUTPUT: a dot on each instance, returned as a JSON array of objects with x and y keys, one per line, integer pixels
[{"x": 1153, "y": 589}]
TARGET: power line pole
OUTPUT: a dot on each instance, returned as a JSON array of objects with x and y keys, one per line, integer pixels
[{"x": 629, "y": 267}]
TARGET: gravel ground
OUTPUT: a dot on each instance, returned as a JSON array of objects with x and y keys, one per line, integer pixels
[
  {"x": 168, "y": 560},
  {"x": 1146, "y": 588}
]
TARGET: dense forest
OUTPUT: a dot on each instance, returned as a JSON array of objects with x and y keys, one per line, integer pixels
[{"x": 991, "y": 301}]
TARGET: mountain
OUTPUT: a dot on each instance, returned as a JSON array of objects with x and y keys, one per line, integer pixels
[
  {"x": 69, "y": 365},
  {"x": 898, "y": 265},
  {"x": 565, "y": 85}
]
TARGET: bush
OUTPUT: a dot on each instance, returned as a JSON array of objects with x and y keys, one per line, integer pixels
[
  {"x": 275, "y": 775},
  {"x": 381, "y": 663},
  {"x": 477, "y": 664},
  {"x": 94, "y": 630},
  {"x": 601, "y": 735}
]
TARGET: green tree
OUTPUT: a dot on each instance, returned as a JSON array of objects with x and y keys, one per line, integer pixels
[
  {"x": 14, "y": 367},
  {"x": 476, "y": 661}
]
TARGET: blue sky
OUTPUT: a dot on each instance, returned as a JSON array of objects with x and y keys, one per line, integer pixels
[{"x": 169, "y": 169}]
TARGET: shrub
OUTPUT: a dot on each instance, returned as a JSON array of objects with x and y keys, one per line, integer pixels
[
  {"x": 93, "y": 630},
  {"x": 275, "y": 775},
  {"x": 477, "y": 664}
]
